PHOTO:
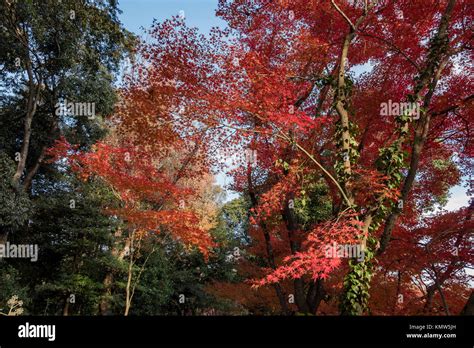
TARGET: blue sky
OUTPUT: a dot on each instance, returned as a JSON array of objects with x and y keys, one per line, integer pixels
[
  {"x": 140, "y": 13},
  {"x": 201, "y": 14}
]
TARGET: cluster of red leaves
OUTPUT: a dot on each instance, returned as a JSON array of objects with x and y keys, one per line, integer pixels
[
  {"x": 370, "y": 185},
  {"x": 314, "y": 260},
  {"x": 440, "y": 249},
  {"x": 272, "y": 44},
  {"x": 151, "y": 199},
  {"x": 268, "y": 81},
  {"x": 273, "y": 201}
]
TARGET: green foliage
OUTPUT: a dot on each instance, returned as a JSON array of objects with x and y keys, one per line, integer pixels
[
  {"x": 174, "y": 280},
  {"x": 233, "y": 223},
  {"x": 73, "y": 59},
  {"x": 74, "y": 243},
  {"x": 356, "y": 284},
  {"x": 15, "y": 206},
  {"x": 73, "y": 48},
  {"x": 314, "y": 204},
  {"x": 10, "y": 285}
]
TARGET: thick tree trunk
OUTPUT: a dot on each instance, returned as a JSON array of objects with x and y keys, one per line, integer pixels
[
  {"x": 33, "y": 96},
  {"x": 316, "y": 293},
  {"x": 34, "y": 169},
  {"x": 429, "y": 78},
  {"x": 429, "y": 299}
]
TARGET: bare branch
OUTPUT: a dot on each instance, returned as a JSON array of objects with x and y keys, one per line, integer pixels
[{"x": 343, "y": 15}]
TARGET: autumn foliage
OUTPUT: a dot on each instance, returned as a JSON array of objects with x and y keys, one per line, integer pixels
[{"x": 287, "y": 100}]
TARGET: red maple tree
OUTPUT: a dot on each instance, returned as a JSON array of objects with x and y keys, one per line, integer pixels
[{"x": 292, "y": 94}]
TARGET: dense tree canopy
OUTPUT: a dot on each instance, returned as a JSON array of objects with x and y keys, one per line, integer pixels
[{"x": 343, "y": 125}]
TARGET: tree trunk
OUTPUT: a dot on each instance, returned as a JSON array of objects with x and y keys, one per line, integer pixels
[
  {"x": 32, "y": 172},
  {"x": 316, "y": 293},
  {"x": 128, "y": 292},
  {"x": 104, "y": 305},
  {"x": 3, "y": 236},
  {"x": 66, "y": 307},
  {"x": 429, "y": 78},
  {"x": 268, "y": 245},
  {"x": 33, "y": 96},
  {"x": 429, "y": 299},
  {"x": 292, "y": 227},
  {"x": 469, "y": 307}
]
